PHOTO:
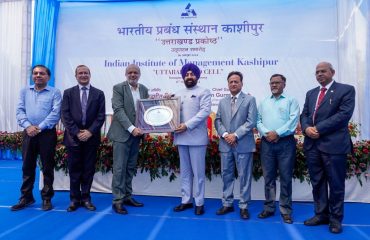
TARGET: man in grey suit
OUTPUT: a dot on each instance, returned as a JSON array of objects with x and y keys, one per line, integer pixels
[
  {"x": 191, "y": 137},
  {"x": 126, "y": 138},
  {"x": 235, "y": 119}
]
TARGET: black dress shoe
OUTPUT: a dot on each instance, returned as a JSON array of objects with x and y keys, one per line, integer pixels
[
  {"x": 22, "y": 204},
  {"x": 132, "y": 202},
  {"x": 88, "y": 205},
  {"x": 316, "y": 220},
  {"x": 118, "y": 208},
  {"x": 244, "y": 214},
  {"x": 287, "y": 218},
  {"x": 265, "y": 214},
  {"x": 46, "y": 205},
  {"x": 182, "y": 207},
  {"x": 199, "y": 210},
  {"x": 335, "y": 227},
  {"x": 223, "y": 210},
  {"x": 73, "y": 206}
]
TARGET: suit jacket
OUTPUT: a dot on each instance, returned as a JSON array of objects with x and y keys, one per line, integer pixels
[
  {"x": 72, "y": 115},
  {"x": 242, "y": 122},
  {"x": 331, "y": 118},
  {"x": 124, "y": 111},
  {"x": 194, "y": 111}
]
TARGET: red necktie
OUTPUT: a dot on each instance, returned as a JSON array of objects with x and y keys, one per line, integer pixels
[{"x": 321, "y": 97}]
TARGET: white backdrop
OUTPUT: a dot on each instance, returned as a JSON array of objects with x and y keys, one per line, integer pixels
[
  {"x": 163, "y": 187},
  {"x": 345, "y": 23}
]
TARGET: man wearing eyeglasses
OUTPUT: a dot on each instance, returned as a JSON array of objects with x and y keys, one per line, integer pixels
[{"x": 277, "y": 120}]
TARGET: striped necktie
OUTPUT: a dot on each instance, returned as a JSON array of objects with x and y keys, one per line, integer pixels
[
  {"x": 233, "y": 105},
  {"x": 84, "y": 104},
  {"x": 319, "y": 100}
]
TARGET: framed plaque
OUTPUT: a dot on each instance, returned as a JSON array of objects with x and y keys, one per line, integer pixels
[{"x": 158, "y": 115}]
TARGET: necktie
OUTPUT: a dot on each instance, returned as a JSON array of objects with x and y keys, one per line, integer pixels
[
  {"x": 84, "y": 104},
  {"x": 321, "y": 97},
  {"x": 233, "y": 105}
]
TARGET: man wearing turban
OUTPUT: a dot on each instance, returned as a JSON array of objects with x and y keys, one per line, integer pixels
[{"x": 191, "y": 137}]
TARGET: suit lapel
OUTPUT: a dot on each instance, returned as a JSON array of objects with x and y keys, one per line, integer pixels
[
  {"x": 228, "y": 107},
  {"x": 127, "y": 91},
  {"x": 314, "y": 96},
  {"x": 239, "y": 101},
  {"x": 89, "y": 98},
  {"x": 328, "y": 95},
  {"x": 141, "y": 91},
  {"x": 76, "y": 97}
]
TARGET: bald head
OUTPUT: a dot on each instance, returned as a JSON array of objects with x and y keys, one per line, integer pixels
[
  {"x": 132, "y": 74},
  {"x": 324, "y": 73},
  {"x": 326, "y": 64}
]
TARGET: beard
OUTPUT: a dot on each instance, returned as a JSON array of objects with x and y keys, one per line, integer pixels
[
  {"x": 189, "y": 83},
  {"x": 133, "y": 82}
]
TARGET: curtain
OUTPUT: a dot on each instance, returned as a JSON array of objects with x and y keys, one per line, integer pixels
[
  {"x": 354, "y": 56},
  {"x": 46, "y": 20},
  {"x": 15, "y": 42}
]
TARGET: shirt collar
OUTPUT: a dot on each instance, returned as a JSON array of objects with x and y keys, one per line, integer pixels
[
  {"x": 237, "y": 95},
  {"x": 87, "y": 86},
  {"x": 133, "y": 89},
  {"x": 327, "y": 86},
  {"x": 47, "y": 88},
  {"x": 281, "y": 96}
]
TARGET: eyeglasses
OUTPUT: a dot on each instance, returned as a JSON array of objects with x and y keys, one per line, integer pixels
[{"x": 276, "y": 83}]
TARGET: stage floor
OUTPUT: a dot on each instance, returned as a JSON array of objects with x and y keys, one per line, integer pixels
[{"x": 156, "y": 220}]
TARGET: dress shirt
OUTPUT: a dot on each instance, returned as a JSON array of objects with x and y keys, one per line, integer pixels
[
  {"x": 39, "y": 108},
  {"x": 136, "y": 96},
  {"x": 278, "y": 114}
]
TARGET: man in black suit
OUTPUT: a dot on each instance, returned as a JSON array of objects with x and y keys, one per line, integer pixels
[
  {"x": 324, "y": 119},
  {"x": 83, "y": 114}
]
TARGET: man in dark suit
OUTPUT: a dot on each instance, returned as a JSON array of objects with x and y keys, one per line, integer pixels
[
  {"x": 326, "y": 113},
  {"x": 235, "y": 119},
  {"x": 83, "y": 114},
  {"x": 126, "y": 138}
]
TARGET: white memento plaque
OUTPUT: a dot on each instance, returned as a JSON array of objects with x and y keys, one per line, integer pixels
[{"x": 158, "y": 115}]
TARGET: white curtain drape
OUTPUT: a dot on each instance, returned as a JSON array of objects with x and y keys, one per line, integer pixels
[
  {"x": 15, "y": 43},
  {"x": 354, "y": 56}
]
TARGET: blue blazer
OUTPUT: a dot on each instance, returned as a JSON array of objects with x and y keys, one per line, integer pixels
[
  {"x": 331, "y": 118},
  {"x": 242, "y": 122}
]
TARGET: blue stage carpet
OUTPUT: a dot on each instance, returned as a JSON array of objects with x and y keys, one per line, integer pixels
[{"x": 156, "y": 220}]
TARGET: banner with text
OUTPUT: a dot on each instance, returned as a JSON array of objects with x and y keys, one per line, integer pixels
[{"x": 256, "y": 37}]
